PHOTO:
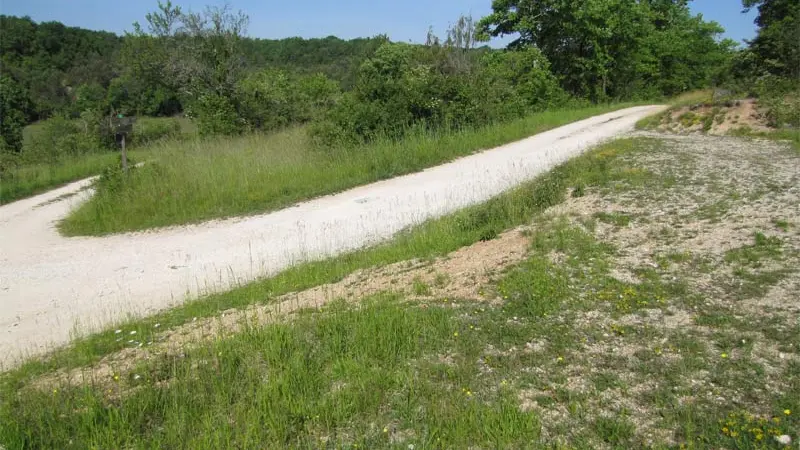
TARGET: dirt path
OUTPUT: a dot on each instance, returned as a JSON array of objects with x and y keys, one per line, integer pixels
[
  {"x": 703, "y": 247},
  {"x": 52, "y": 288}
]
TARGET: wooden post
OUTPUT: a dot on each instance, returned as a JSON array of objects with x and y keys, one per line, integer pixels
[{"x": 124, "y": 155}]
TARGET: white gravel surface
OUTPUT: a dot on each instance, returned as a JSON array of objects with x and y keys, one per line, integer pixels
[{"x": 53, "y": 288}]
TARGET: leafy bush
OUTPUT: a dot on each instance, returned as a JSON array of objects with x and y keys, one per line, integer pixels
[
  {"x": 216, "y": 114},
  {"x": 60, "y": 137},
  {"x": 780, "y": 97},
  {"x": 403, "y": 87},
  {"x": 132, "y": 96},
  {"x": 783, "y": 110},
  {"x": 273, "y": 99},
  {"x": 527, "y": 72},
  {"x": 14, "y": 106},
  {"x": 90, "y": 96}
]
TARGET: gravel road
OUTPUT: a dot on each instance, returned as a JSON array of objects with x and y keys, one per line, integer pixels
[{"x": 54, "y": 288}]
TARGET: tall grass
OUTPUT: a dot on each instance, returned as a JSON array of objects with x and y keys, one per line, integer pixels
[
  {"x": 348, "y": 379},
  {"x": 30, "y": 179},
  {"x": 34, "y": 175},
  {"x": 201, "y": 180}
]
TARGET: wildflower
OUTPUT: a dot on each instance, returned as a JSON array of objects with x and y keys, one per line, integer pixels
[
  {"x": 132, "y": 332},
  {"x": 117, "y": 331},
  {"x": 385, "y": 430},
  {"x": 455, "y": 334},
  {"x": 156, "y": 325},
  {"x": 469, "y": 393},
  {"x": 116, "y": 377},
  {"x": 787, "y": 412},
  {"x": 137, "y": 376},
  {"x": 504, "y": 383},
  {"x": 55, "y": 391},
  {"x": 560, "y": 359},
  {"x": 784, "y": 439},
  {"x": 724, "y": 355}
]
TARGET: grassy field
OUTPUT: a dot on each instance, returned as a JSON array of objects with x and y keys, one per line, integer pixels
[
  {"x": 616, "y": 329},
  {"x": 30, "y": 179},
  {"x": 201, "y": 180}
]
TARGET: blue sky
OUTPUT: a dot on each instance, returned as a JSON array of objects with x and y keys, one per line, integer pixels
[{"x": 403, "y": 20}]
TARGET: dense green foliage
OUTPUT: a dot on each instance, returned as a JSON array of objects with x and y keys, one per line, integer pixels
[
  {"x": 67, "y": 70},
  {"x": 51, "y": 61},
  {"x": 777, "y": 46},
  {"x": 616, "y": 48},
  {"x": 439, "y": 85},
  {"x": 335, "y": 58},
  {"x": 769, "y": 68}
]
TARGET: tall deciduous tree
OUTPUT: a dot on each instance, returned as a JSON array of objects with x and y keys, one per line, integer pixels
[
  {"x": 614, "y": 48},
  {"x": 777, "y": 44}
]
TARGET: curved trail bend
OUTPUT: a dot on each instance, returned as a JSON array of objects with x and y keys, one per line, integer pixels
[{"x": 52, "y": 287}]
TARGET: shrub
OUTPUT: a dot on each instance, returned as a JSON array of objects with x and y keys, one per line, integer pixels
[
  {"x": 147, "y": 130},
  {"x": 527, "y": 72},
  {"x": 88, "y": 97},
  {"x": 783, "y": 110},
  {"x": 216, "y": 114},
  {"x": 266, "y": 100},
  {"x": 60, "y": 137},
  {"x": 403, "y": 87},
  {"x": 780, "y": 97},
  {"x": 14, "y": 108}
]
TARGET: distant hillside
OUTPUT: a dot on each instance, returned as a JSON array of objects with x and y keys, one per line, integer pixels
[{"x": 50, "y": 61}]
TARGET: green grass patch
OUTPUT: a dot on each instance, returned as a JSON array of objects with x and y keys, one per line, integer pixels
[
  {"x": 616, "y": 219},
  {"x": 763, "y": 248},
  {"x": 34, "y": 177},
  {"x": 363, "y": 378},
  {"x": 200, "y": 180},
  {"x": 31, "y": 179}
]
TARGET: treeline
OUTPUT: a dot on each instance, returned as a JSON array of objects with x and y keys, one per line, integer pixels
[
  {"x": 204, "y": 66},
  {"x": 48, "y": 69}
]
